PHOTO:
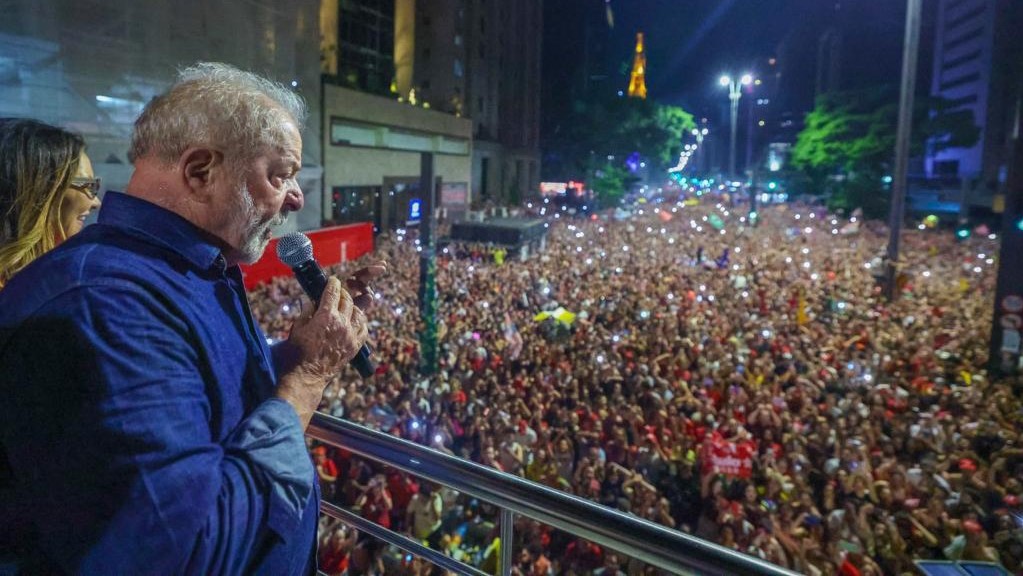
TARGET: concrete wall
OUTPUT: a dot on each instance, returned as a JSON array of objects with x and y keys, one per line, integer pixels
[
  {"x": 350, "y": 166},
  {"x": 362, "y": 107},
  {"x": 369, "y": 165}
]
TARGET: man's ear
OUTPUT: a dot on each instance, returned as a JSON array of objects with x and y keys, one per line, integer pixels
[{"x": 201, "y": 168}]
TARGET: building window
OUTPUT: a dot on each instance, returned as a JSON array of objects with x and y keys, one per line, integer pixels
[
  {"x": 964, "y": 18},
  {"x": 457, "y": 146},
  {"x": 350, "y": 204},
  {"x": 347, "y": 133},
  {"x": 964, "y": 38},
  {"x": 409, "y": 140},
  {"x": 967, "y": 79},
  {"x": 959, "y": 61},
  {"x": 459, "y": 71},
  {"x": 963, "y": 101},
  {"x": 366, "y": 46}
]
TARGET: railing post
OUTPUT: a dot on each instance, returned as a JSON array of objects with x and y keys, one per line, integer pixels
[{"x": 507, "y": 519}]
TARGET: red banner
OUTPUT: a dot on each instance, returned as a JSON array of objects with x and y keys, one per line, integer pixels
[
  {"x": 732, "y": 459},
  {"x": 330, "y": 246}
]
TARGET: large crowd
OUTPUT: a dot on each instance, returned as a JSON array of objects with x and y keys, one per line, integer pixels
[{"x": 748, "y": 385}]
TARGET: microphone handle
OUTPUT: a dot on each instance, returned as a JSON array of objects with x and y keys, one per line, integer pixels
[{"x": 312, "y": 279}]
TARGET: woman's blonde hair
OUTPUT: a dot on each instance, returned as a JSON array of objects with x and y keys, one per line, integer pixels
[{"x": 37, "y": 163}]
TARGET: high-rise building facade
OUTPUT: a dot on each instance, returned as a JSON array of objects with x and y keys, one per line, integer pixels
[
  {"x": 472, "y": 59},
  {"x": 829, "y": 62},
  {"x": 972, "y": 72},
  {"x": 91, "y": 65},
  {"x": 381, "y": 110},
  {"x": 503, "y": 52},
  {"x": 366, "y": 45}
]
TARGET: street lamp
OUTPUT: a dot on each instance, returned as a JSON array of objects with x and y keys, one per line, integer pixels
[{"x": 734, "y": 93}]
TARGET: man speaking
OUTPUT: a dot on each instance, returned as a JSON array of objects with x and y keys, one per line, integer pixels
[{"x": 146, "y": 427}]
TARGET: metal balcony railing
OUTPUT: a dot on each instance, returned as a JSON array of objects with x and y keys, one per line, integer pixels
[{"x": 651, "y": 543}]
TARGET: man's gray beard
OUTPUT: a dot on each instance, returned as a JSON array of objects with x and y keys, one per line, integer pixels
[{"x": 255, "y": 240}]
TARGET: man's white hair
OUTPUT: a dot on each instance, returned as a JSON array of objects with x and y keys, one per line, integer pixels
[{"x": 216, "y": 105}]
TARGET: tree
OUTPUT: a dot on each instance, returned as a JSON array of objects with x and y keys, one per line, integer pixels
[
  {"x": 598, "y": 135},
  {"x": 610, "y": 181},
  {"x": 848, "y": 142}
]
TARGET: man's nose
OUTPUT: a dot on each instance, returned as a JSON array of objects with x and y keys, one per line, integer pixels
[{"x": 294, "y": 200}]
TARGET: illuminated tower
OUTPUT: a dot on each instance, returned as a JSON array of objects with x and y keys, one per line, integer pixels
[{"x": 637, "y": 81}]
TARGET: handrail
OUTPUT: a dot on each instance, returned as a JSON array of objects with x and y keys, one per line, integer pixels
[
  {"x": 637, "y": 538},
  {"x": 400, "y": 540}
]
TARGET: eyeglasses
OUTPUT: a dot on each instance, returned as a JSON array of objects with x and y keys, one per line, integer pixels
[{"x": 88, "y": 186}]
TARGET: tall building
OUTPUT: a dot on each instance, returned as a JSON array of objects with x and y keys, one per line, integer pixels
[
  {"x": 459, "y": 78},
  {"x": 577, "y": 31},
  {"x": 840, "y": 45},
  {"x": 481, "y": 59},
  {"x": 829, "y": 62},
  {"x": 439, "y": 66},
  {"x": 381, "y": 111},
  {"x": 366, "y": 45},
  {"x": 507, "y": 162},
  {"x": 974, "y": 70}
]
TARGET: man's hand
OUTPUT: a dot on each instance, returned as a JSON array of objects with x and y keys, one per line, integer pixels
[
  {"x": 358, "y": 284},
  {"x": 320, "y": 344}
]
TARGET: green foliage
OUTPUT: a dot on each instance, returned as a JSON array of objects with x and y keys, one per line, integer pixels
[
  {"x": 616, "y": 127},
  {"x": 863, "y": 190},
  {"x": 610, "y": 181},
  {"x": 847, "y": 132},
  {"x": 848, "y": 143},
  {"x": 676, "y": 123}
]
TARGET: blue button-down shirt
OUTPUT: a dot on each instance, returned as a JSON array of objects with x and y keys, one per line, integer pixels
[{"x": 136, "y": 411}]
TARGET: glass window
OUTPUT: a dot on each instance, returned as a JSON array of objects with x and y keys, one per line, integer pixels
[
  {"x": 352, "y": 134},
  {"x": 352, "y": 204},
  {"x": 453, "y": 146},
  {"x": 409, "y": 140}
]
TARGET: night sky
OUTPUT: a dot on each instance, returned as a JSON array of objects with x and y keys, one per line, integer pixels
[{"x": 691, "y": 42}]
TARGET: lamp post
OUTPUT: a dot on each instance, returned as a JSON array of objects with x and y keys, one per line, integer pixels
[
  {"x": 734, "y": 94},
  {"x": 895, "y": 217}
]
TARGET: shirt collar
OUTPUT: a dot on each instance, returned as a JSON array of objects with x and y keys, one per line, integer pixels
[{"x": 160, "y": 225}]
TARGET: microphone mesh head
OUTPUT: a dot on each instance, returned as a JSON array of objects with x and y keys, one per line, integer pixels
[{"x": 294, "y": 249}]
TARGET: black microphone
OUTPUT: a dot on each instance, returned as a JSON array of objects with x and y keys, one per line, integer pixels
[{"x": 296, "y": 251}]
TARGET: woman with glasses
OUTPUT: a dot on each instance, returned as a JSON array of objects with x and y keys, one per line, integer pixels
[{"x": 47, "y": 190}]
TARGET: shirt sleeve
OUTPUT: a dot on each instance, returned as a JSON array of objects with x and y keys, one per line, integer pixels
[{"x": 106, "y": 423}]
